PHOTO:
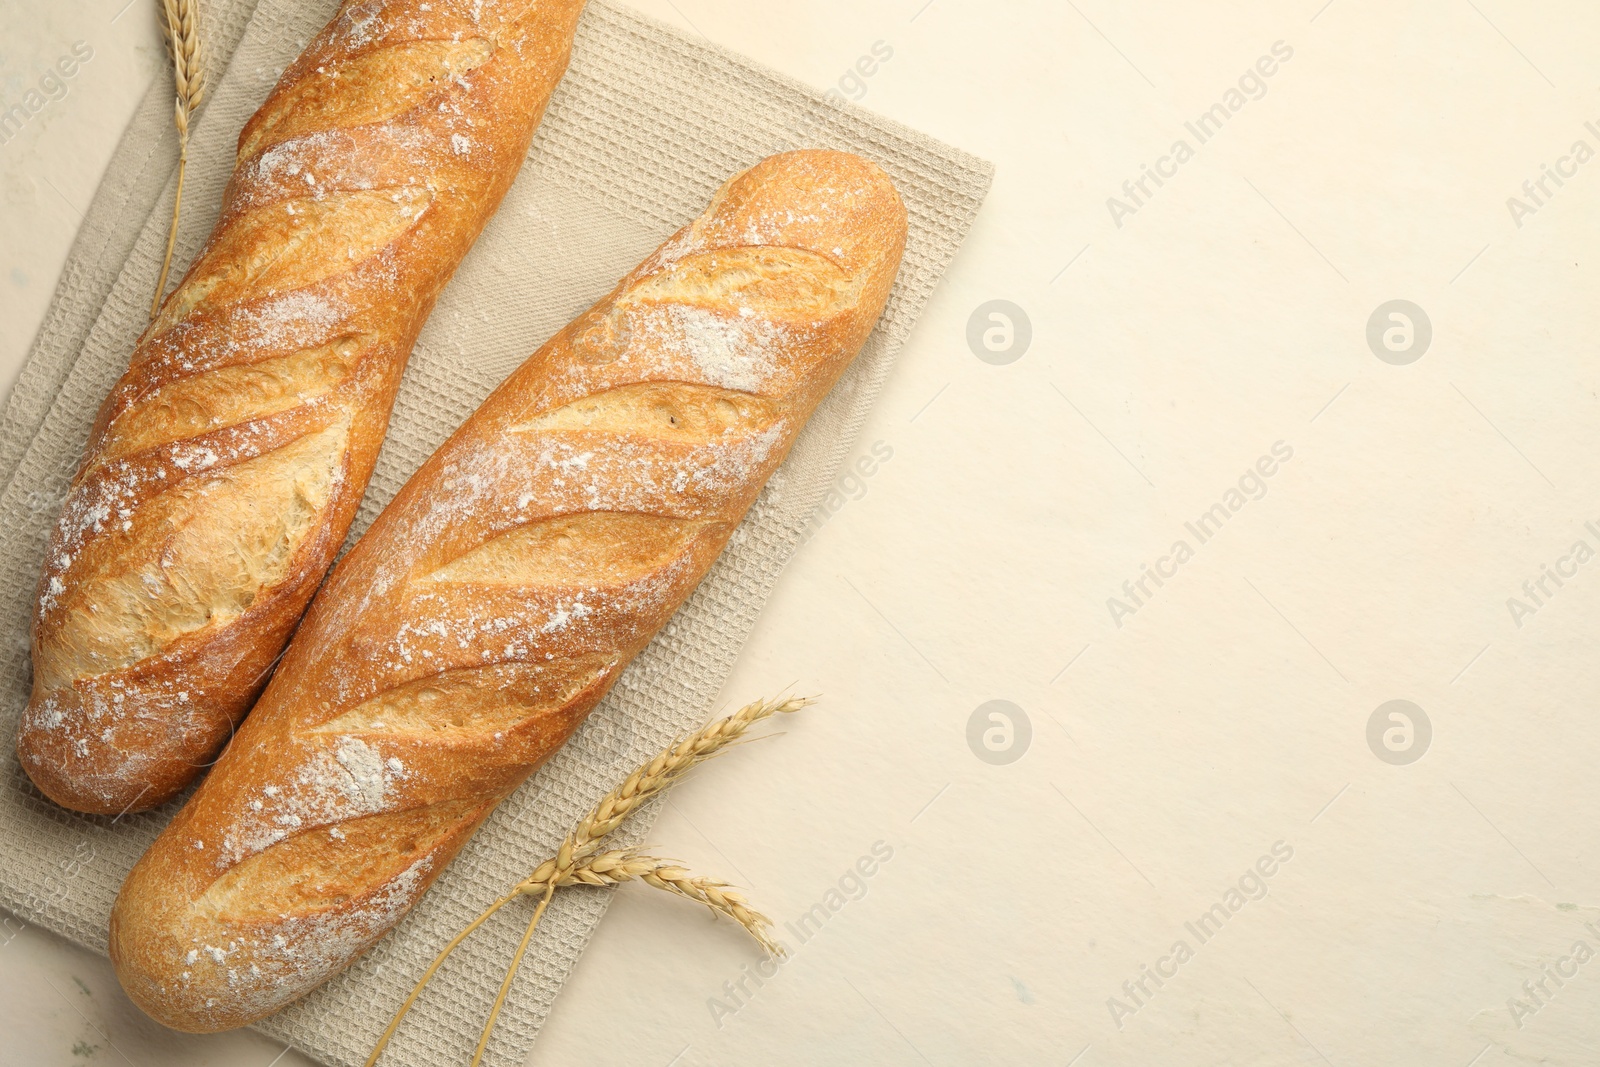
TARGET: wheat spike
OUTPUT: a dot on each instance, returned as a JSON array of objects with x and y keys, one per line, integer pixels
[
  {"x": 581, "y": 861},
  {"x": 180, "y": 22},
  {"x": 655, "y": 777},
  {"x": 628, "y": 864}
]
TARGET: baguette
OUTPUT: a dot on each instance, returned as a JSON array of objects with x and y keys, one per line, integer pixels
[
  {"x": 226, "y": 465},
  {"x": 497, "y": 598}
]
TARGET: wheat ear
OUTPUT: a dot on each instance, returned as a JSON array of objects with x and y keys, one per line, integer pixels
[
  {"x": 654, "y": 778},
  {"x": 627, "y": 864},
  {"x": 180, "y": 20},
  {"x": 580, "y": 860}
]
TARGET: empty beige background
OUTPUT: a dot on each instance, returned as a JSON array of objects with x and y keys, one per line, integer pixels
[{"x": 1229, "y": 712}]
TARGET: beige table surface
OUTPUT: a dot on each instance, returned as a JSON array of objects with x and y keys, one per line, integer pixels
[{"x": 1432, "y": 878}]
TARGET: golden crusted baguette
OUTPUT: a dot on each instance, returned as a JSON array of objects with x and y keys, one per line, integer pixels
[
  {"x": 226, "y": 465},
  {"x": 497, "y": 598}
]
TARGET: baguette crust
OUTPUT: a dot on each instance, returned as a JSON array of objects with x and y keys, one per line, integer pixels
[
  {"x": 497, "y": 598},
  {"x": 226, "y": 465}
]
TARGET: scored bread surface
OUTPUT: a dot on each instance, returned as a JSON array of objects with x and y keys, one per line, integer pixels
[
  {"x": 226, "y": 465},
  {"x": 497, "y": 598}
]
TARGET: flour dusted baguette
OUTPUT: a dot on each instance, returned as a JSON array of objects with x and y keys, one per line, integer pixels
[
  {"x": 226, "y": 465},
  {"x": 497, "y": 598}
]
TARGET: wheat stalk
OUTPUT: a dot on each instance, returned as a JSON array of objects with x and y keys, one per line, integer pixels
[
  {"x": 581, "y": 860},
  {"x": 614, "y": 868},
  {"x": 180, "y": 21}
]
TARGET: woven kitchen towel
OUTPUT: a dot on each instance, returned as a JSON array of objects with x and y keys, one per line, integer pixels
[{"x": 645, "y": 126}]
